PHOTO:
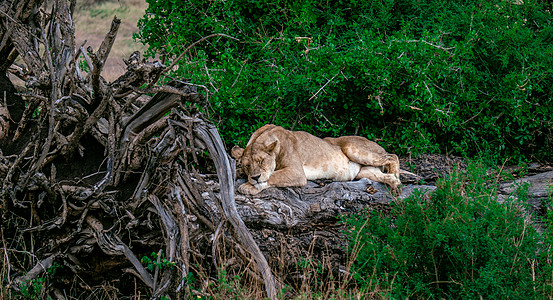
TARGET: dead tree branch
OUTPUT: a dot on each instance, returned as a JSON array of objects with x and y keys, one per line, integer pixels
[{"x": 108, "y": 174}]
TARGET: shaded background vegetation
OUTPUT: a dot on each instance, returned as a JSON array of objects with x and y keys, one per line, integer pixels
[{"x": 461, "y": 77}]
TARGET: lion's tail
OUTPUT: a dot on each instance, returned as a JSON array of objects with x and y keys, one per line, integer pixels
[{"x": 401, "y": 171}]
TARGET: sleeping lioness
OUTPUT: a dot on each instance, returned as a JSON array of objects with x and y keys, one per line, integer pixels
[{"x": 276, "y": 157}]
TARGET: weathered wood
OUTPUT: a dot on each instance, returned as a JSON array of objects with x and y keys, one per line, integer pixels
[
  {"x": 86, "y": 207},
  {"x": 113, "y": 245},
  {"x": 539, "y": 192},
  {"x": 293, "y": 208},
  {"x": 41, "y": 267},
  {"x": 225, "y": 172},
  {"x": 4, "y": 118}
]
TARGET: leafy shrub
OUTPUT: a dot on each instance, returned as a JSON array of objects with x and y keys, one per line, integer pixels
[
  {"x": 457, "y": 242},
  {"x": 546, "y": 256},
  {"x": 36, "y": 288},
  {"x": 156, "y": 261},
  {"x": 421, "y": 76}
]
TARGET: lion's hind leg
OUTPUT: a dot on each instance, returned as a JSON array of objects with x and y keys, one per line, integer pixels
[
  {"x": 368, "y": 153},
  {"x": 376, "y": 174}
]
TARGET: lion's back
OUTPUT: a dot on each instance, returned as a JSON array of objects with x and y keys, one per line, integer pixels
[{"x": 320, "y": 159}]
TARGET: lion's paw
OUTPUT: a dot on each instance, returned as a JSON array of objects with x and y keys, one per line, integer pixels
[{"x": 248, "y": 189}]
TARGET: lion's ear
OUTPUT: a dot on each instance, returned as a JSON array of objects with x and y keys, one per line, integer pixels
[
  {"x": 271, "y": 147},
  {"x": 236, "y": 152}
]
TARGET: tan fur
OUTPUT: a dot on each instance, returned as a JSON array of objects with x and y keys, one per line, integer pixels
[{"x": 276, "y": 157}]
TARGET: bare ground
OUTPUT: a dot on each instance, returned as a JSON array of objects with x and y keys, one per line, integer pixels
[{"x": 92, "y": 22}]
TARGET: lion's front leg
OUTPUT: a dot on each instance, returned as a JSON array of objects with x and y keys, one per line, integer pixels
[
  {"x": 288, "y": 177},
  {"x": 250, "y": 189}
]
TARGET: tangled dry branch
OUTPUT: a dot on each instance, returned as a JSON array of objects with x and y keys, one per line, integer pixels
[{"x": 89, "y": 166}]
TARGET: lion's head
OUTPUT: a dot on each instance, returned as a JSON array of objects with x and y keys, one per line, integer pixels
[{"x": 258, "y": 161}]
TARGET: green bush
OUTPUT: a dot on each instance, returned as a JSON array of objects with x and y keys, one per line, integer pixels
[
  {"x": 470, "y": 77},
  {"x": 457, "y": 242}
]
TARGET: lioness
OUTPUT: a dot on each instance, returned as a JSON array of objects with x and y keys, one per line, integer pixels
[{"x": 276, "y": 157}]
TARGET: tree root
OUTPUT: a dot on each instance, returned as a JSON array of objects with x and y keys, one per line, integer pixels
[{"x": 108, "y": 174}]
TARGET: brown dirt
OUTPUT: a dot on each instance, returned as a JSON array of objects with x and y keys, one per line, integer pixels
[{"x": 92, "y": 22}]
